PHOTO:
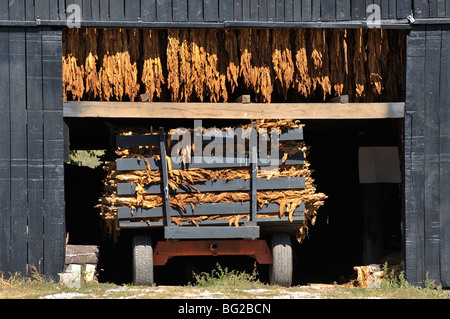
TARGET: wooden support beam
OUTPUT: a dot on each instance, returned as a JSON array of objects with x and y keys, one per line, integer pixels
[{"x": 94, "y": 109}]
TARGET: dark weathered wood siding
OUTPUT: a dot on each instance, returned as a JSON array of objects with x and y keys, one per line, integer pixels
[
  {"x": 427, "y": 150},
  {"x": 208, "y": 11},
  {"x": 32, "y": 229}
]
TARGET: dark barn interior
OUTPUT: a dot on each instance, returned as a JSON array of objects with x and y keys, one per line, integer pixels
[{"x": 334, "y": 245}]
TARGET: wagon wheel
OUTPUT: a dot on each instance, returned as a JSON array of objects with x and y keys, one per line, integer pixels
[
  {"x": 281, "y": 269},
  {"x": 142, "y": 261}
]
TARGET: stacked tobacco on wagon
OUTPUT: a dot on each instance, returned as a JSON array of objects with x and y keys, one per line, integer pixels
[{"x": 288, "y": 200}]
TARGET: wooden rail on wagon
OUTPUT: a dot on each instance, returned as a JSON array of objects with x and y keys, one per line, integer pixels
[{"x": 132, "y": 218}]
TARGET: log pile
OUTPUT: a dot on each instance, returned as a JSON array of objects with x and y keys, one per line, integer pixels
[
  {"x": 288, "y": 200},
  {"x": 370, "y": 276},
  {"x": 294, "y": 65}
]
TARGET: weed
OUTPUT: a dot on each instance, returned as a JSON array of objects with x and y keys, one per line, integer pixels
[{"x": 222, "y": 277}]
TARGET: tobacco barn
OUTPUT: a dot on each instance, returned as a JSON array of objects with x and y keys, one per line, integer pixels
[{"x": 363, "y": 83}]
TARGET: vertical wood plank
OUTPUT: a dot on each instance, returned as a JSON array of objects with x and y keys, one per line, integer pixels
[
  {"x": 392, "y": 9},
  {"x": 279, "y": 10},
  {"x": 95, "y": 10},
  {"x": 18, "y": 113},
  {"x": 133, "y": 10},
  {"x": 263, "y": 14},
  {"x": 328, "y": 10},
  {"x": 246, "y": 10},
  {"x": 440, "y": 8},
  {"x": 358, "y": 10},
  {"x": 254, "y": 8},
  {"x": 116, "y": 10},
  {"x": 164, "y": 176},
  {"x": 288, "y": 10},
  {"x": 163, "y": 11},
  {"x": 62, "y": 9},
  {"x": 433, "y": 6},
  {"x": 342, "y": 10},
  {"x": 271, "y": 10},
  {"x": 180, "y": 10},
  {"x": 226, "y": 12},
  {"x": 54, "y": 10},
  {"x": 306, "y": 10},
  {"x": 254, "y": 173},
  {"x": 104, "y": 10},
  {"x": 4, "y": 10},
  {"x": 414, "y": 157},
  {"x": 54, "y": 205},
  {"x": 315, "y": 13},
  {"x": 195, "y": 8},
  {"x": 384, "y": 9},
  {"x": 16, "y": 9},
  {"x": 431, "y": 151},
  {"x": 35, "y": 140},
  {"x": 237, "y": 8},
  {"x": 403, "y": 8},
  {"x": 297, "y": 10},
  {"x": 29, "y": 10},
  {"x": 444, "y": 159},
  {"x": 5, "y": 156},
  {"x": 211, "y": 10},
  {"x": 148, "y": 10},
  {"x": 87, "y": 10}
]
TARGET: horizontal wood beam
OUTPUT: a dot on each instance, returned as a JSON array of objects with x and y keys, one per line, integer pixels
[
  {"x": 191, "y": 110},
  {"x": 284, "y": 221},
  {"x": 206, "y": 209},
  {"x": 220, "y": 185}
]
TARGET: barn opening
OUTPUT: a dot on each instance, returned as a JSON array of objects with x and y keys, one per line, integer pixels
[{"x": 359, "y": 223}]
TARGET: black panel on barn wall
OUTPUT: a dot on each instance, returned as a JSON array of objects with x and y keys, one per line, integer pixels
[
  {"x": 35, "y": 148},
  {"x": 5, "y": 158},
  {"x": 431, "y": 151},
  {"x": 444, "y": 159},
  {"x": 427, "y": 149},
  {"x": 18, "y": 121},
  {"x": 414, "y": 157},
  {"x": 54, "y": 206}
]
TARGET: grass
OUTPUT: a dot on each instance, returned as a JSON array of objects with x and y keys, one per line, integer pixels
[
  {"x": 223, "y": 278},
  {"x": 219, "y": 283}
]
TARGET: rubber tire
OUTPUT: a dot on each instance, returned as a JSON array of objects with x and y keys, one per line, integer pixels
[
  {"x": 281, "y": 270},
  {"x": 142, "y": 261}
]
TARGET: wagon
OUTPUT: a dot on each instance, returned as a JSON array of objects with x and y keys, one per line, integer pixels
[{"x": 267, "y": 239}]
